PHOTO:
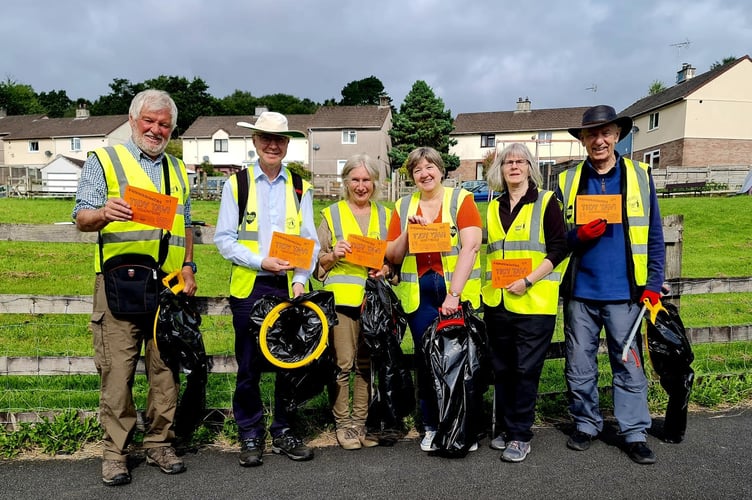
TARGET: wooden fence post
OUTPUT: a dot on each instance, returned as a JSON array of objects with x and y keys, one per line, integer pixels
[{"x": 673, "y": 235}]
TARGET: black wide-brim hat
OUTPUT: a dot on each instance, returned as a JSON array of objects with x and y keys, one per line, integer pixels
[{"x": 601, "y": 115}]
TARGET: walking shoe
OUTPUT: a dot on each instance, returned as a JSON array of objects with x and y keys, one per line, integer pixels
[
  {"x": 579, "y": 441},
  {"x": 640, "y": 453},
  {"x": 115, "y": 473},
  {"x": 427, "y": 443},
  {"x": 498, "y": 443},
  {"x": 516, "y": 451},
  {"x": 251, "y": 451},
  {"x": 291, "y": 446},
  {"x": 165, "y": 458},
  {"x": 366, "y": 439},
  {"x": 473, "y": 447},
  {"x": 347, "y": 438}
]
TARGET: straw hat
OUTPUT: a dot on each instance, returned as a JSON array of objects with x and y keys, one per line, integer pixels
[{"x": 270, "y": 122}]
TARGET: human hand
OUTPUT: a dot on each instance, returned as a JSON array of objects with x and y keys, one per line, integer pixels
[
  {"x": 592, "y": 230},
  {"x": 117, "y": 210},
  {"x": 417, "y": 219},
  {"x": 275, "y": 265},
  {"x": 653, "y": 297},
  {"x": 298, "y": 289},
  {"x": 341, "y": 248},
  {"x": 450, "y": 305},
  {"x": 190, "y": 282}
]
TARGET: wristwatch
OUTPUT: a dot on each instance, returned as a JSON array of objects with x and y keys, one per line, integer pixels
[
  {"x": 453, "y": 294},
  {"x": 527, "y": 282},
  {"x": 192, "y": 265}
]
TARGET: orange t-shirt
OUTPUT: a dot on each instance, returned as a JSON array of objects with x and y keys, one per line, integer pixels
[{"x": 467, "y": 216}]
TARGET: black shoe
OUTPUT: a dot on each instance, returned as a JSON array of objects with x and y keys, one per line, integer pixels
[
  {"x": 291, "y": 446},
  {"x": 579, "y": 441},
  {"x": 251, "y": 451},
  {"x": 640, "y": 453}
]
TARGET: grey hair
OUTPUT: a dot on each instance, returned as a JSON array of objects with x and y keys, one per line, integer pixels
[
  {"x": 495, "y": 177},
  {"x": 360, "y": 160},
  {"x": 155, "y": 100}
]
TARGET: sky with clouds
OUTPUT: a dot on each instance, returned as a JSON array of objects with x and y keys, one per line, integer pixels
[{"x": 476, "y": 55}]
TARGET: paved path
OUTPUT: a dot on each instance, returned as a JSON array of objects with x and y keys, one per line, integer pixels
[{"x": 714, "y": 461}]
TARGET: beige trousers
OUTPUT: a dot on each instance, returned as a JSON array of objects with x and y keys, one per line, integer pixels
[
  {"x": 117, "y": 345},
  {"x": 352, "y": 357}
]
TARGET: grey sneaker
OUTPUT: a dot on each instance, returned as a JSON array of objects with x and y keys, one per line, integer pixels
[
  {"x": 516, "y": 451},
  {"x": 165, "y": 458},
  {"x": 498, "y": 443},
  {"x": 115, "y": 473}
]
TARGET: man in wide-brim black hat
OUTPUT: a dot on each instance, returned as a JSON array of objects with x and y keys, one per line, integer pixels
[{"x": 616, "y": 265}]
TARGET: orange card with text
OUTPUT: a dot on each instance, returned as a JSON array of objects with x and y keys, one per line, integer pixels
[
  {"x": 504, "y": 272},
  {"x": 150, "y": 208},
  {"x": 429, "y": 238},
  {"x": 598, "y": 206},
  {"x": 368, "y": 252},
  {"x": 296, "y": 250}
]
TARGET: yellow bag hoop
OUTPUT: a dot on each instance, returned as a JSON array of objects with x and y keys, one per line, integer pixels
[
  {"x": 274, "y": 316},
  {"x": 176, "y": 289}
]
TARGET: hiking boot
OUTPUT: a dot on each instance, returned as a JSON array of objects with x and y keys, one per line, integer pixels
[
  {"x": 165, "y": 458},
  {"x": 640, "y": 453},
  {"x": 426, "y": 443},
  {"x": 251, "y": 450},
  {"x": 498, "y": 443},
  {"x": 115, "y": 473},
  {"x": 579, "y": 441},
  {"x": 291, "y": 446},
  {"x": 366, "y": 440},
  {"x": 516, "y": 451},
  {"x": 347, "y": 438}
]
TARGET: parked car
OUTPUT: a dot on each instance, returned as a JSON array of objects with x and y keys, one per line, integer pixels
[{"x": 479, "y": 189}]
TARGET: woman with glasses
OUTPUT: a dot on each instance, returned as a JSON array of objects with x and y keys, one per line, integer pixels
[
  {"x": 527, "y": 252},
  {"x": 355, "y": 214},
  {"x": 434, "y": 280}
]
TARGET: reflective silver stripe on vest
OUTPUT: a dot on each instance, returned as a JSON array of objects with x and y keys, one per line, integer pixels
[
  {"x": 345, "y": 279},
  {"x": 247, "y": 235},
  {"x": 132, "y": 236},
  {"x": 409, "y": 277},
  {"x": 568, "y": 180},
  {"x": 643, "y": 182}
]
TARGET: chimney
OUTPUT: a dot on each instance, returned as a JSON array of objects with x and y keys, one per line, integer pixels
[
  {"x": 523, "y": 106},
  {"x": 3, "y": 112},
  {"x": 384, "y": 101},
  {"x": 686, "y": 72},
  {"x": 81, "y": 112},
  {"x": 260, "y": 110}
]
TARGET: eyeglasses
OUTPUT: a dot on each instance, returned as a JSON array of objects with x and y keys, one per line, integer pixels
[
  {"x": 266, "y": 139},
  {"x": 509, "y": 163}
]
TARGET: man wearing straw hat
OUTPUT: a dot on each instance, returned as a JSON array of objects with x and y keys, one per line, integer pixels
[
  {"x": 275, "y": 200},
  {"x": 615, "y": 265}
]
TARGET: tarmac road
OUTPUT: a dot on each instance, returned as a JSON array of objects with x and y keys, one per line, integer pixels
[{"x": 714, "y": 461}]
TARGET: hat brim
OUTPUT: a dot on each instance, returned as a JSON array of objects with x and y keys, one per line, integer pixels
[
  {"x": 284, "y": 133},
  {"x": 624, "y": 123}
]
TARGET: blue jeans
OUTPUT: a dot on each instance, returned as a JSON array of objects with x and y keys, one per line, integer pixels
[
  {"x": 432, "y": 294},
  {"x": 583, "y": 321}
]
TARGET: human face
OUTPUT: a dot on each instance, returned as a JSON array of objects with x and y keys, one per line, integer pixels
[
  {"x": 427, "y": 176},
  {"x": 271, "y": 149},
  {"x": 600, "y": 143},
  {"x": 515, "y": 171},
  {"x": 151, "y": 130},
  {"x": 360, "y": 185}
]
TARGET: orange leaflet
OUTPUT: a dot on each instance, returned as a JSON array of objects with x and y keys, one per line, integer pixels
[
  {"x": 150, "y": 208},
  {"x": 429, "y": 238},
  {"x": 504, "y": 272},
  {"x": 368, "y": 252},
  {"x": 598, "y": 206},
  {"x": 296, "y": 250}
]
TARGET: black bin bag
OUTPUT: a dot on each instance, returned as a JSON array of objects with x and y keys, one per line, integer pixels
[
  {"x": 456, "y": 351},
  {"x": 181, "y": 347},
  {"x": 296, "y": 336},
  {"x": 383, "y": 324},
  {"x": 671, "y": 355}
]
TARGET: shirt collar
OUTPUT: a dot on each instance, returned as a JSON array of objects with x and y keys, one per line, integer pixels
[{"x": 258, "y": 173}]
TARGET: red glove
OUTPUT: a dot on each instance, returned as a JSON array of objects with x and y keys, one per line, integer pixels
[
  {"x": 653, "y": 297},
  {"x": 591, "y": 230}
]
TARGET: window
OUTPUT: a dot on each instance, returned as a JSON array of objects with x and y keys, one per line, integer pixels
[
  {"x": 75, "y": 144},
  {"x": 487, "y": 140},
  {"x": 653, "y": 121},
  {"x": 33, "y": 146},
  {"x": 653, "y": 158},
  {"x": 220, "y": 145},
  {"x": 544, "y": 137},
  {"x": 340, "y": 167},
  {"x": 349, "y": 137}
]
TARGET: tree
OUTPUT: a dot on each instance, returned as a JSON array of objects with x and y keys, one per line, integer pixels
[
  {"x": 191, "y": 97},
  {"x": 422, "y": 121},
  {"x": 19, "y": 99},
  {"x": 56, "y": 103},
  {"x": 724, "y": 62},
  {"x": 362, "y": 92},
  {"x": 656, "y": 87},
  {"x": 288, "y": 104},
  {"x": 118, "y": 101},
  {"x": 238, "y": 103}
]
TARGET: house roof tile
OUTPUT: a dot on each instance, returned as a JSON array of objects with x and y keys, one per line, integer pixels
[
  {"x": 49, "y": 128},
  {"x": 206, "y": 126},
  {"x": 518, "y": 121},
  {"x": 356, "y": 117}
]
